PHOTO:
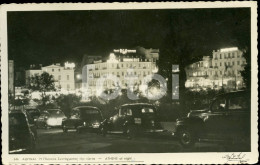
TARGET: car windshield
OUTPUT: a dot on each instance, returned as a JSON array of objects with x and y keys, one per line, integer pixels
[
  {"x": 17, "y": 121},
  {"x": 90, "y": 113},
  {"x": 55, "y": 112}
]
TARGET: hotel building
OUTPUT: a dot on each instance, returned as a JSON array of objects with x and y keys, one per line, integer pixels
[
  {"x": 222, "y": 70},
  {"x": 124, "y": 65}
]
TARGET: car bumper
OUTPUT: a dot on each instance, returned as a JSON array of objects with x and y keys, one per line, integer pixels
[
  {"x": 154, "y": 130},
  {"x": 89, "y": 129}
]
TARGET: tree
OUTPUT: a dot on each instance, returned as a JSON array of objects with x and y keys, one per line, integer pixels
[
  {"x": 42, "y": 83},
  {"x": 67, "y": 102}
]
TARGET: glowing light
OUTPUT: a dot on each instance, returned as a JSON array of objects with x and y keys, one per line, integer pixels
[
  {"x": 155, "y": 70},
  {"x": 112, "y": 58},
  {"x": 78, "y": 76},
  {"x": 69, "y": 65},
  {"x": 228, "y": 49}
]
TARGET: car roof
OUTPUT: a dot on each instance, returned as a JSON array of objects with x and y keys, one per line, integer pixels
[
  {"x": 136, "y": 104},
  {"x": 234, "y": 93},
  {"x": 92, "y": 107}
]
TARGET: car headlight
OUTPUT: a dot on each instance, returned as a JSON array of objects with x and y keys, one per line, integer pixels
[{"x": 95, "y": 125}]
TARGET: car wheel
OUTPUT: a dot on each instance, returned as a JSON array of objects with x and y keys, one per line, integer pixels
[
  {"x": 130, "y": 132},
  {"x": 65, "y": 130},
  {"x": 103, "y": 131},
  {"x": 186, "y": 138}
]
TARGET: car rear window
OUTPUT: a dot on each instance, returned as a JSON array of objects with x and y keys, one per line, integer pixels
[
  {"x": 90, "y": 112},
  {"x": 55, "y": 112},
  {"x": 138, "y": 110}
]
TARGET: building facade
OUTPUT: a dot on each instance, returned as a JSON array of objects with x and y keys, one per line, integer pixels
[
  {"x": 222, "y": 70},
  {"x": 125, "y": 66},
  {"x": 11, "y": 76},
  {"x": 63, "y": 75}
]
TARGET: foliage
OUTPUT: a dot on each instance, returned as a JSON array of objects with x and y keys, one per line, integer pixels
[
  {"x": 67, "y": 102},
  {"x": 42, "y": 83}
]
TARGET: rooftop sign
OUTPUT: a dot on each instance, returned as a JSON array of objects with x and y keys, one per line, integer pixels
[
  {"x": 124, "y": 51},
  {"x": 228, "y": 49}
]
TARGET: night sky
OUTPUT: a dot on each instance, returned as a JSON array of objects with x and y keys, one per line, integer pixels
[{"x": 46, "y": 37}]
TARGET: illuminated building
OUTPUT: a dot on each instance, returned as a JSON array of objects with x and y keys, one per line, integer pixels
[
  {"x": 222, "y": 70},
  {"x": 63, "y": 75},
  {"x": 11, "y": 76},
  {"x": 124, "y": 65}
]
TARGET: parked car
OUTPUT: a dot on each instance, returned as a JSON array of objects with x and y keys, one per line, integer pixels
[
  {"x": 83, "y": 118},
  {"x": 50, "y": 118},
  {"x": 34, "y": 113},
  {"x": 21, "y": 137},
  {"x": 226, "y": 119},
  {"x": 131, "y": 120}
]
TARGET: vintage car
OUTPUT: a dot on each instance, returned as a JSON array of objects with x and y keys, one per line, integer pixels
[
  {"x": 83, "y": 118},
  {"x": 227, "y": 119},
  {"x": 33, "y": 112},
  {"x": 21, "y": 137},
  {"x": 50, "y": 118},
  {"x": 131, "y": 120}
]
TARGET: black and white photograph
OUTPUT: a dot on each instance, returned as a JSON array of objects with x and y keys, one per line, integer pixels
[{"x": 119, "y": 82}]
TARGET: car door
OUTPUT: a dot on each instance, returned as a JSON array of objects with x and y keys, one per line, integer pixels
[
  {"x": 239, "y": 115},
  {"x": 71, "y": 122},
  {"x": 118, "y": 120},
  {"x": 216, "y": 120}
]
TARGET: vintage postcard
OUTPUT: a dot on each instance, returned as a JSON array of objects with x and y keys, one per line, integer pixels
[{"x": 129, "y": 83}]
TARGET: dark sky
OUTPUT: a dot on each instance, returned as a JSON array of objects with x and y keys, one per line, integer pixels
[{"x": 46, "y": 37}]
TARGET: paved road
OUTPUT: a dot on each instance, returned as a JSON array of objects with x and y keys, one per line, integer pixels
[{"x": 54, "y": 141}]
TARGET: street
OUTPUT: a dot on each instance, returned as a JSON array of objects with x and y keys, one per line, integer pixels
[{"x": 54, "y": 141}]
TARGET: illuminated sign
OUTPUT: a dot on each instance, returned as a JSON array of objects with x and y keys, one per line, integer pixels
[
  {"x": 229, "y": 49},
  {"x": 124, "y": 51},
  {"x": 69, "y": 65}
]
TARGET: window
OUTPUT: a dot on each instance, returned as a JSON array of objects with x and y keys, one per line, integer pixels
[
  {"x": 228, "y": 55},
  {"x": 52, "y": 70},
  {"x": 233, "y": 63},
  {"x": 238, "y": 103},
  {"x": 59, "y": 70},
  {"x": 220, "y": 72},
  {"x": 238, "y": 55},
  {"x": 59, "y": 77},
  {"x": 233, "y": 55},
  {"x": 219, "y": 105},
  {"x": 220, "y": 56},
  {"x": 220, "y": 64},
  {"x": 238, "y": 62},
  {"x": 68, "y": 77}
]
